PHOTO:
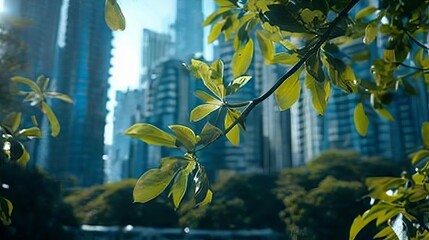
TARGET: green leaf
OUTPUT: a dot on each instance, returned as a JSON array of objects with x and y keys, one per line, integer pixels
[
  {"x": 236, "y": 84},
  {"x": 225, "y": 3},
  {"x": 385, "y": 233},
  {"x": 425, "y": 134},
  {"x": 43, "y": 82},
  {"x": 319, "y": 91},
  {"x": 371, "y": 31},
  {"x": 358, "y": 224},
  {"x": 365, "y": 12},
  {"x": 31, "y": 132},
  {"x": 29, "y": 83},
  {"x": 12, "y": 121},
  {"x": 361, "y": 120},
  {"x": 151, "y": 135},
  {"x": 178, "y": 189},
  {"x": 209, "y": 134},
  {"x": 242, "y": 58},
  {"x": 288, "y": 92},
  {"x": 113, "y": 16},
  {"x": 207, "y": 199},
  {"x": 173, "y": 164},
  {"x": 185, "y": 136},
  {"x": 201, "y": 185},
  {"x": 24, "y": 158},
  {"x": 215, "y": 15},
  {"x": 234, "y": 134},
  {"x": 6, "y": 208},
  {"x": 266, "y": 46},
  {"x": 420, "y": 155},
  {"x": 216, "y": 31},
  {"x": 385, "y": 113},
  {"x": 201, "y": 111},
  {"x": 151, "y": 184},
  {"x": 53, "y": 121},
  {"x": 205, "y": 97},
  {"x": 217, "y": 68},
  {"x": 282, "y": 16},
  {"x": 60, "y": 96},
  {"x": 285, "y": 58}
]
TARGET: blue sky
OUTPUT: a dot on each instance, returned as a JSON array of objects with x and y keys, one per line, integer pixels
[{"x": 126, "y": 61}]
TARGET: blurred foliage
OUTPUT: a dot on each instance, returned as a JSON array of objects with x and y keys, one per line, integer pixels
[
  {"x": 322, "y": 199},
  {"x": 39, "y": 211},
  {"x": 239, "y": 202},
  {"x": 400, "y": 206},
  {"x": 112, "y": 204}
]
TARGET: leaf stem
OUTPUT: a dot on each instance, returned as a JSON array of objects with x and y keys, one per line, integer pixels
[
  {"x": 416, "y": 41},
  {"x": 317, "y": 45}
]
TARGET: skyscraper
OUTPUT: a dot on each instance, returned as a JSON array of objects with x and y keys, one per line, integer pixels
[
  {"x": 157, "y": 47},
  {"x": 188, "y": 26},
  {"x": 127, "y": 155},
  {"x": 82, "y": 74}
]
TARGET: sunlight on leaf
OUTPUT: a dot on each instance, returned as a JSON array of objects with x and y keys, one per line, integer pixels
[
  {"x": 185, "y": 136},
  {"x": 151, "y": 184},
  {"x": 361, "y": 120},
  {"x": 233, "y": 135},
  {"x": 242, "y": 58},
  {"x": 114, "y": 16},
  {"x": 201, "y": 111},
  {"x": 288, "y": 93},
  {"x": 151, "y": 135}
]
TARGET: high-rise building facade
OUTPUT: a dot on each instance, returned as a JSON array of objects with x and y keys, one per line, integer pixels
[
  {"x": 75, "y": 156},
  {"x": 127, "y": 155},
  {"x": 188, "y": 28},
  {"x": 157, "y": 47}
]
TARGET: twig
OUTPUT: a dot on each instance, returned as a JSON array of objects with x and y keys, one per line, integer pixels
[{"x": 252, "y": 104}]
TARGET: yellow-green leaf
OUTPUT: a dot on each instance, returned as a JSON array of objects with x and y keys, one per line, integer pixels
[
  {"x": 385, "y": 113},
  {"x": 425, "y": 134},
  {"x": 29, "y": 83},
  {"x": 212, "y": 17},
  {"x": 205, "y": 97},
  {"x": 43, "y": 82},
  {"x": 201, "y": 111},
  {"x": 225, "y": 3},
  {"x": 215, "y": 31},
  {"x": 12, "y": 121},
  {"x": 113, "y": 15},
  {"x": 420, "y": 155},
  {"x": 6, "y": 208},
  {"x": 151, "y": 135},
  {"x": 365, "y": 12},
  {"x": 59, "y": 96},
  {"x": 24, "y": 158},
  {"x": 242, "y": 58},
  {"x": 320, "y": 93},
  {"x": 53, "y": 121},
  {"x": 266, "y": 46},
  {"x": 217, "y": 68},
  {"x": 151, "y": 184},
  {"x": 207, "y": 199},
  {"x": 285, "y": 58},
  {"x": 185, "y": 136},
  {"x": 209, "y": 134},
  {"x": 31, "y": 132},
  {"x": 237, "y": 83},
  {"x": 178, "y": 189},
  {"x": 361, "y": 120},
  {"x": 288, "y": 93},
  {"x": 371, "y": 31},
  {"x": 234, "y": 134},
  {"x": 358, "y": 224}
]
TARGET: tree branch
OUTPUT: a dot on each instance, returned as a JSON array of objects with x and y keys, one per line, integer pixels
[
  {"x": 317, "y": 45},
  {"x": 416, "y": 41}
]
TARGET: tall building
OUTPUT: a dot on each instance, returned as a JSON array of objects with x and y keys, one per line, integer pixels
[
  {"x": 127, "y": 155},
  {"x": 189, "y": 32},
  {"x": 75, "y": 156},
  {"x": 157, "y": 47},
  {"x": 169, "y": 96}
]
